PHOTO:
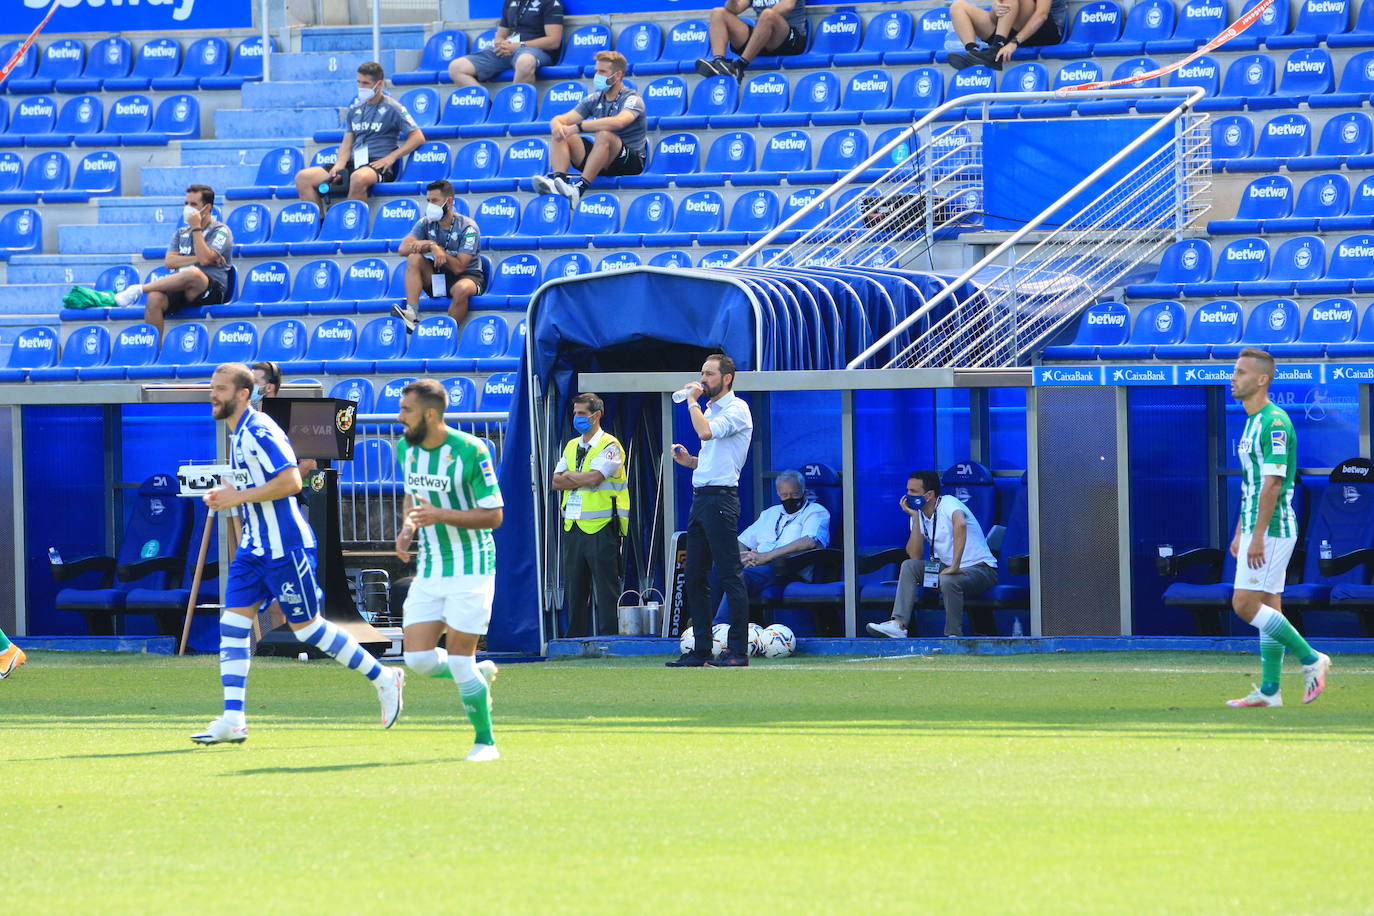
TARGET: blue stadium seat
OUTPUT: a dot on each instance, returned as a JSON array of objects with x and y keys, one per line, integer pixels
[
  {"x": 395, "y": 219},
  {"x": 572, "y": 264},
  {"x": 34, "y": 116},
  {"x": 332, "y": 338},
  {"x": 85, "y": 348},
  {"x": 109, "y": 58},
  {"x": 1148, "y": 21},
  {"x": 559, "y": 98},
  {"x": 264, "y": 283},
  {"x": 157, "y": 58},
  {"x": 697, "y": 213},
  {"x": 464, "y": 110},
  {"x": 429, "y": 162},
  {"x": 250, "y": 224},
  {"x": 483, "y": 337},
  {"x": 294, "y": 223},
  {"x": 389, "y": 393},
  {"x": 130, "y": 123},
  {"x": 1361, "y": 345},
  {"x": 115, "y": 279},
  {"x": 513, "y": 104},
  {"x": 933, "y": 28},
  {"x": 435, "y": 339},
  {"x": 1204, "y": 73},
  {"x": 364, "y": 283},
  {"x": 579, "y": 53},
  {"x": 841, "y": 151},
  {"x": 21, "y": 232},
  {"x": 685, "y": 42},
  {"x": 474, "y": 161},
  {"x": 1214, "y": 323},
  {"x": 867, "y": 90},
  {"x": 1330, "y": 321},
  {"x": 794, "y": 202},
  {"x": 1198, "y": 22},
  {"x": 545, "y": 217},
  {"x": 233, "y": 342},
  {"x": 673, "y": 260},
  {"x": 497, "y": 216},
  {"x": 715, "y": 95},
  {"x": 206, "y": 57},
  {"x": 767, "y": 93},
  {"x": 1186, "y": 261},
  {"x": 246, "y": 66},
  {"x": 522, "y": 159},
  {"x": 346, "y": 221},
  {"x": 380, "y": 341},
  {"x": 276, "y": 173},
  {"x": 283, "y": 341},
  {"x": 1285, "y": 137},
  {"x": 97, "y": 174},
  {"x": 26, "y": 66},
  {"x": 665, "y": 97},
  {"x": 597, "y": 215},
  {"x": 512, "y": 282},
  {"x": 1233, "y": 142},
  {"x": 918, "y": 91},
  {"x": 439, "y": 51},
  {"x": 50, "y": 171},
  {"x": 462, "y": 394},
  {"x": 186, "y": 344},
  {"x": 316, "y": 281},
  {"x": 178, "y": 118},
  {"x": 1249, "y": 79},
  {"x": 1264, "y": 200},
  {"x": 1024, "y": 77},
  {"x": 33, "y": 348},
  {"x": 1101, "y": 328},
  {"x": 1096, "y": 23},
  {"x": 515, "y": 347},
  {"x": 648, "y": 215},
  {"x": 786, "y": 152},
  {"x": 1361, "y": 212},
  {"x": 619, "y": 260},
  {"x": 63, "y": 59},
  {"x": 640, "y": 43},
  {"x": 359, "y": 390},
  {"x": 1316, "y": 20},
  {"x": 1361, "y": 36},
  {"x": 887, "y": 33},
  {"x": 1307, "y": 74},
  {"x": 969, "y": 81},
  {"x": 1075, "y": 73},
  {"x": 673, "y": 155},
  {"x": 752, "y": 215},
  {"x": 423, "y": 104},
  {"x": 497, "y": 393},
  {"x": 80, "y": 116},
  {"x": 1272, "y": 323},
  {"x": 837, "y": 33},
  {"x": 1346, "y": 140},
  {"x": 1322, "y": 203},
  {"x": 1351, "y": 270},
  {"x": 1356, "y": 86},
  {"x": 1275, "y": 20},
  {"x": 731, "y": 153},
  {"x": 716, "y": 259},
  {"x": 1241, "y": 261},
  {"x": 816, "y": 93},
  {"x": 134, "y": 347}
]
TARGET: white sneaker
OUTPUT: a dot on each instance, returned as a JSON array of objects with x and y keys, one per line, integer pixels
[
  {"x": 1314, "y": 677},
  {"x": 389, "y": 691},
  {"x": 573, "y": 192},
  {"x": 410, "y": 314},
  {"x": 489, "y": 671},
  {"x": 545, "y": 184},
  {"x": 891, "y": 629},
  {"x": 221, "y": 731},
  {"x": 481, "y": 753},
  {"x": 129, "y": 295},
  {"x": 1255, "y": 698}
]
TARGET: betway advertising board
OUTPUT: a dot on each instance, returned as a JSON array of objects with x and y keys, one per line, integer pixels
[{"x": 21, "y": 16}]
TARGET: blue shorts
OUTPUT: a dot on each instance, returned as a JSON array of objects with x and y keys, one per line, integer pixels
[
  {"x": 290, "y": 581},
  {"x": 489, "y": 64}
]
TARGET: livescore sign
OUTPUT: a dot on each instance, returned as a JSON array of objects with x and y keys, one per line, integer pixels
[
  {"x": 1220, "y": 374},
  {"x": 127, "y": 15}
]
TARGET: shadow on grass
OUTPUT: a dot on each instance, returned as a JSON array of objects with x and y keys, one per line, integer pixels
[{"x": 332, "y": 768}]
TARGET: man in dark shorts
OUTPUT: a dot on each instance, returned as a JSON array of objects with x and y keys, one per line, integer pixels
[
  {"x": 615, "y": 117},
  {"x": 379, "y": 132},
  {"x": 441, "y": 256},
  {"x": 1010, "y": 25},
  {"x": 782, "y": 29},
  {"x": 529, "y": 36},
  {"x": 198, "y": 258}
]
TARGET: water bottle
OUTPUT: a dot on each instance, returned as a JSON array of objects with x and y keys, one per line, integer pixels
[
  {"x": 681, "y": 395},
  {"x": 1325, "y": 549},
  {"x": 1016, "y": 631},
  {"x": 54, "y": 557}
]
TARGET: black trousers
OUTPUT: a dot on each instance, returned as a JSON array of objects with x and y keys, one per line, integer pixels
[
  {"x": 713, "y": 540},
  {"x": 591, "y": 573}
]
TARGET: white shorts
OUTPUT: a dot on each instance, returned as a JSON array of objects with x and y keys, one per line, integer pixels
[
  {"x": 1269, "y": 577},
  {"x": 463, "y": 602}
]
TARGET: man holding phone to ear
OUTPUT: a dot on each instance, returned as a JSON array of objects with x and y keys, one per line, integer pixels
[{"x": 962, "y": 565}]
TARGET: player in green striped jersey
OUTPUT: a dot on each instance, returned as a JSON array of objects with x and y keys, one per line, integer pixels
[
  {"x": 1267, "y": 531},
  {"x": 452, "y": 504}
]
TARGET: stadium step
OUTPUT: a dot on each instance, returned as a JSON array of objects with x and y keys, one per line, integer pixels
[
  {"x": 172, "y": 181},
  {"x": 61, "y": 268},
  {"x": 112, "y": 238},
  {"x": 340, "y": 65},
  {"x": 243, "y": 151},
  {"x": 33, "y": 298},
  {"x": 288, "y": 125},
  {"x": 322, "y": 93},
  {"x": 394, "y": 37},
  {"x": 162, "y": 210}
]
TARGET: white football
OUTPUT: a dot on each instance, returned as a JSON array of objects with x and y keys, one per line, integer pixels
[
  {"x": 778, "y": 641},
  {"x": 755, "y": 639},
  {"x": 688, "y": 642},
  {"x": 720, "y": 635}
]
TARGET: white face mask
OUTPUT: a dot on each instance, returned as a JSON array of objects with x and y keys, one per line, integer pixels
[
  {"x": 433, "y": 212},
  {"x": 365, "y": 94},
  {"x": 188, "y": 211}
]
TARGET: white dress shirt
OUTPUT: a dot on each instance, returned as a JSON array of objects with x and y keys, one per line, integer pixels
[
  {"x": 775, "y": 528},
  {"x": 722, "y": 455},
  {"x": 939, "y": 533}
]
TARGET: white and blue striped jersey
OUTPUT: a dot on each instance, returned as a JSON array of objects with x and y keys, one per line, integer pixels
[{"x": 270, "y": 529}]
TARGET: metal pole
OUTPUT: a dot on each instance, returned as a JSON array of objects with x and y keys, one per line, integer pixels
[
  {"x": 377, "y": 29},
  {"x": 266, "y": 42}
]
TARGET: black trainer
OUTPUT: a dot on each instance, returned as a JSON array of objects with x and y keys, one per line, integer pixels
[
  {"x": 711, "y": 66},
  {"x": 733, "y": 68},
  {"x": 728, "y": 659},
  {"x": 688, "y": 660}
]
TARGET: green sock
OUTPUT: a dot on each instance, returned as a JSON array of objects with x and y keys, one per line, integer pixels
[
  {"x": 1271, "y": 664},
  {"x": 1272, "y": 623},
  {"x": 475, "y": 702},
  {"x": 4, "y": 642}
]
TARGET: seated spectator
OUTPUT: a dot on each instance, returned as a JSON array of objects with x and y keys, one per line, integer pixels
[
  {"x": 378, "y": 132},
  {"x": 615, "y": 117},
  {"x": 965, "y": 565},
  {"x": 793, "y": 526},
  {"x": 199, "y": 257},
  {"x": 782, "y": 29},
  {"x": 1011, "y": 24},
  {"x": 528, "y": 37},
  {"x": 442, "y": 256}
]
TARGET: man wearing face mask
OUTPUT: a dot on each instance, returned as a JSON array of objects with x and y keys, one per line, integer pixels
[
  {"x": 596, "y": 515},
  {"x": 615, "y": 117},
  {"x": 441, "y": 257},
  {"x": 199, "y": 257},
  {"x": 966, "y": 567},
  {"x": 378, "y": 133},
  {"x": 792, "y": 526}
]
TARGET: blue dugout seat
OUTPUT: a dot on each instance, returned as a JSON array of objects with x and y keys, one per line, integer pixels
[
  {"x": 1233, "y": 141},
  {"x": 1096, "y": 23},
  {"x": 1265, "y": 200},
  {"x": 1317, "y": 19},
  {"x": 597, "y": 215},
  {"x": 283, "y": 341},
  {"x": 767, "y": 93},
  {"x": 1242, "y": 260},
  {"x": 1187, "y": 261},
  {"x": 49, "y": 171},
  {"x": 731, "y": 153},
  {"x": 1361, "y": 345},
  {"x": 887, "y": 33},
  {"x": 559, "y": 98},
  {"x": 36, "y": 116},
  {"x": 674, "y": 155},
  {"x": 233, "y": 342},
  {"x": 497, "y": 392},
  {"x": 640, "y": 43},
  {"x": 665, "y": 97},
  {"x": 1198, "y": 22},
  {"x": 837, "y": 33},
  {"x": 572, "y": 264},
  {"x": 715, "y": 95},
  {"x": 429, "y": 162}
]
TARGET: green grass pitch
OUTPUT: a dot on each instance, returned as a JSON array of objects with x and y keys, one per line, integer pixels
[{"x": 1098, "y": 783}]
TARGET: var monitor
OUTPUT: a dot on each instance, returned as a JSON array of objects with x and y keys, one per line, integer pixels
[{"x": 320, "y": 428}]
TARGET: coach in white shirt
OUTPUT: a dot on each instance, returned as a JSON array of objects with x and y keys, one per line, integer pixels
[
  {"x": 967, "y": 566},
  {"x": 725, "y": 428}
]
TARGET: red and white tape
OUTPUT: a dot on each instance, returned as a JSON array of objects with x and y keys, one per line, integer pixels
[
  {"x": 1250, "y": 17},
  {"x": 28, "y": 43}
]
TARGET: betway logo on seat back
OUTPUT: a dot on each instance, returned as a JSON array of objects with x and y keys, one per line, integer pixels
[
  {"x": 1297, "y": 129},
  {"x": 869, "y": 85},
  {"x": 35, "y": 343},
  {"x": 796, "y": 144},
  {"x": 934, "y": 24},
  {"x": 1198, "y": 71},
  {"x": 429, "y": 155},
  {"x": 520, "y": 268},
  {"x": 597, "y": 208},
  {"x": 139, "y": 339},
  {"x": 100, "y": 165},
  {"x": 260, "y": 275},
  {"x": 236, "y": 337},
  {"x": 1332, "y": 314},
  {"x": 488, "y": 209},
  {"x": 297, "y": 216},
  {"x": 131, "y": 108},
  {"x": 334, "y": 333},
  {"x": 1305, "y": 66},
  {"x": 701, "y": 206},
  {"x": 1217, "y": 317},
  {"x": 767, "y": 87},
  {"x": 1106, "y": 319},
  {"x": 367, "y": 273},
  {"x": 525, "y": 152},
  {"x": 397, "y": 211},
  {"x": 1355, "y": 251},
  {"x": 1266, "y": 192},
  {"x": 31, "y": 109},
  {"x": 845, "y": 27},
  {"x": 586, "y": 41},
  {"x": 156, "y": 51},
  {"x": 1204, "y": 12},
  {"x": 1245, "y": 254},
  {"x": 64, "y": 52},
  {"x": 1326, "y": 6},
  {"x": 1100, "y": 16},
  {"x": 692, "y": 35},
  {"x": 667, "y": 91},
  {"x": 434, "y": 330},
  {"x": 502, "y": 387}
]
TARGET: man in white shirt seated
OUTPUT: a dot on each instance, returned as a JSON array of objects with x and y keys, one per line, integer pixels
[
  {"x": 963, "y": 566},
  {"x": 793, "y": 526}
]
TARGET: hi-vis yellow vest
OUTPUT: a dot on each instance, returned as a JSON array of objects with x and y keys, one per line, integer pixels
[{"x": 599, "y": 503}]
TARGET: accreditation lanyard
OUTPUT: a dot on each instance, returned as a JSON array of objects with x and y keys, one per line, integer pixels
[
  {"x": 932, "y": 566},
  {"x": 784, "y": 520}
]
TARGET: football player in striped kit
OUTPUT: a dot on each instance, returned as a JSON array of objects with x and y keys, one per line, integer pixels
[{"x": 275, "y": 559}]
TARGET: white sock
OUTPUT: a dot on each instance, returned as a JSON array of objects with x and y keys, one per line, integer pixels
[
  {"x": 1265, "y": 618},
  {"x": 464, "y": 668},
  {"x": 428, "y": 662}
]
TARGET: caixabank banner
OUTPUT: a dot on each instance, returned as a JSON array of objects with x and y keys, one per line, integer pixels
[{"x": 21, "y": 16}]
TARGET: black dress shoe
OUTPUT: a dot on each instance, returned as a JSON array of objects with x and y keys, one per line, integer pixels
[
  {"x": 728, "y": 659},
  {"x": 688, "y": 660}
]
